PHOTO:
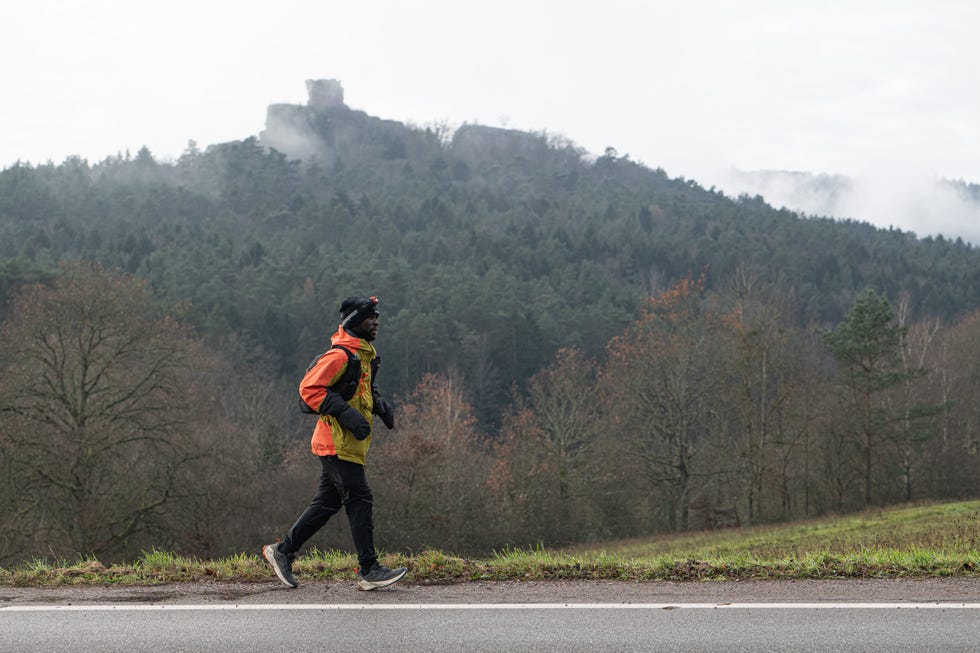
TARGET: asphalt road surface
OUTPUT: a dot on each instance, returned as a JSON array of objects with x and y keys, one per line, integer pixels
[{"x": 568, "y": 617}]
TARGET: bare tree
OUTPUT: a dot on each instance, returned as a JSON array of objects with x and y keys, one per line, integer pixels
[
  {"x": 550, "y": 458},
  {"x": 958, "y": 454},
  {"x": 661, "y": 385},
  {"x": 94, "y": 404},
  {"x": 431, "y": 469},
  {"x": 913, "y": 432}
]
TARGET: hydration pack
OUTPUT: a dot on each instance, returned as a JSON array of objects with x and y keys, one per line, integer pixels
[{"x": 345, "y": 386}]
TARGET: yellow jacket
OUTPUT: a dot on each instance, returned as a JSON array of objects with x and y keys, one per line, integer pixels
[{"x": 329, "y": 437}]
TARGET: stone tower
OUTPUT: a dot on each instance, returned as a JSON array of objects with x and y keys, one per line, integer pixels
[{"x": 324, "y": 93}]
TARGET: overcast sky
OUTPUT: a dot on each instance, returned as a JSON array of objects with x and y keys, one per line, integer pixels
[{"x": 887, "y": 92}]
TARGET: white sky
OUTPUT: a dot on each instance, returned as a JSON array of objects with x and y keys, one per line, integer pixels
[{"x": 885, "y": 89}]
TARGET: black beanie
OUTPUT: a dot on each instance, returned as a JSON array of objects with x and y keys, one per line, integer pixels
[{"x": 355, "y": 310}]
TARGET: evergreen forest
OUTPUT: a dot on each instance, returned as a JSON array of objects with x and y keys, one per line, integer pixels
[{"x": 579, "y": 347}]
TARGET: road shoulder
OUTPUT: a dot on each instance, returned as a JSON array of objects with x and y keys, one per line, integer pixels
[{"x": 845, "y": 590}]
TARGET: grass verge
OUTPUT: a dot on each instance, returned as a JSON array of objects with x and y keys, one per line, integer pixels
[{"x": 911, "y": 542}]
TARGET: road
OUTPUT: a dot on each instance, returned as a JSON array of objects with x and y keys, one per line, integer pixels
[{"x": 566, "y": 617}]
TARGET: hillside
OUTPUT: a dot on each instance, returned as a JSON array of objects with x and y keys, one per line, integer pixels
[
  {"x": 938, "y": 540},
  {"x": 579, "y": 348},
  {"x": 477, "y": 243}
]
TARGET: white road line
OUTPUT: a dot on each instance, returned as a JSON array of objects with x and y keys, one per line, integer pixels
[{"x": 931, "y": 605}]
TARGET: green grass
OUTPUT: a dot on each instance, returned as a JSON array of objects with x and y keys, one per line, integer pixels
[{"x": 934, "y": 540}]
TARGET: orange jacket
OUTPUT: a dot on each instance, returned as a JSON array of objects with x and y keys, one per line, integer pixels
[{"x": 329, "y": 437}]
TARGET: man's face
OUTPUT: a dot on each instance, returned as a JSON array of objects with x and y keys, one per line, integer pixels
[{"x": 367, "y": 329}]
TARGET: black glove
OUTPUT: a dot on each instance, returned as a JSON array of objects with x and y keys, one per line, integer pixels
[
  {"x": 354, "y": 422},
  {"x": 334, "y": 405},
  {"x": 385, "y": 411}
]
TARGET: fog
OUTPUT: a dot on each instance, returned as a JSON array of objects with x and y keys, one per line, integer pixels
[
  {"x": 843, "y": 87},
  {"x": 905, "y": 200}
]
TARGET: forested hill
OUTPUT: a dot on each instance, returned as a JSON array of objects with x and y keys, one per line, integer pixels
[{"x": 490, "y": 248}]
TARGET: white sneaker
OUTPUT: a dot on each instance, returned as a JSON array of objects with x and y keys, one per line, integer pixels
[
  {"x": 282, "y": 563},
  {"x": 379, "y": 576}
]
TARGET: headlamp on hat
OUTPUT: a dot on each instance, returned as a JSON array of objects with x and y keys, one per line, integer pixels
[{"x": 355, "y": 310}]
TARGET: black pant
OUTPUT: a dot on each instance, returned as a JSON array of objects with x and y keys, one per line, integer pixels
[{"x": 342, "y": 483}]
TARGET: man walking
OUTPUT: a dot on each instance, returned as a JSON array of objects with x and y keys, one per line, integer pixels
[{"x": 339, "y": 387}]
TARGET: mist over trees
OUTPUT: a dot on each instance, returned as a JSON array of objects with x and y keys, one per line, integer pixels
[{"x": 581, "y": 347}]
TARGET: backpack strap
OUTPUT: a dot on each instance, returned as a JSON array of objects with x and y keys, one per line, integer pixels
[{"x": 346, "y": 385}]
